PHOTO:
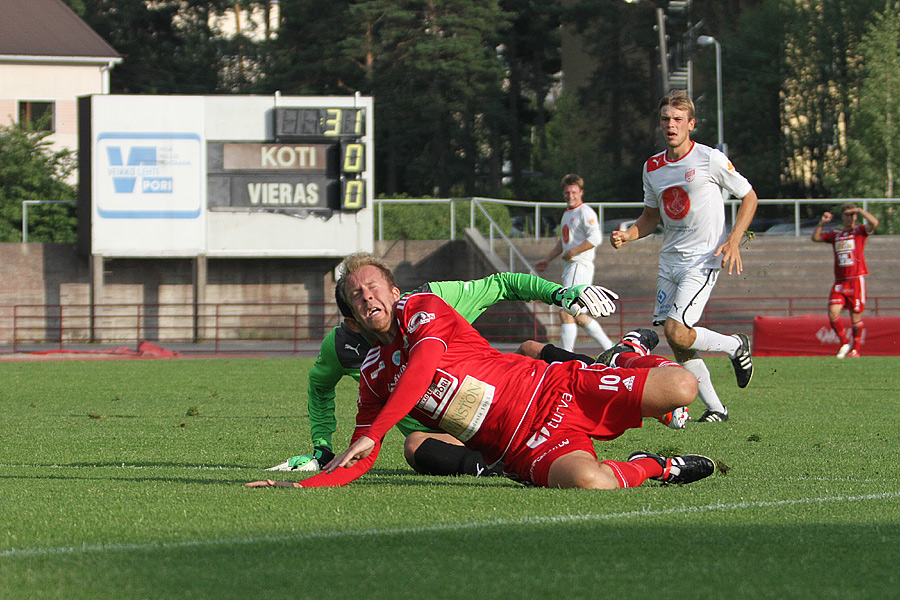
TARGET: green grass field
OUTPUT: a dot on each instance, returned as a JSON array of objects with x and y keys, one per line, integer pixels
[{"x": 123, "y": 479}]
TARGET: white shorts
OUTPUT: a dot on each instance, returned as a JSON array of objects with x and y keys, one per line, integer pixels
[
  {"x": 577, "y": 274},
  {"x": 682, "y": 293}
]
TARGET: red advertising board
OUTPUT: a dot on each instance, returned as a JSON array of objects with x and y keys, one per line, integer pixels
[{"x": 811, "y": 335}]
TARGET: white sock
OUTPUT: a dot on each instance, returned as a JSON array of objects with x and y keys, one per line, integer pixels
[
  {"x": 711, "y": 341},
  {"x": 568, "y": 332},
  {"x": 705, "y": 389},
  {"x": 594, "y": 330}
]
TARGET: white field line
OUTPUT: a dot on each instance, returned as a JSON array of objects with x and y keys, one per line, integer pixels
[{"x": 450, "y": 527}]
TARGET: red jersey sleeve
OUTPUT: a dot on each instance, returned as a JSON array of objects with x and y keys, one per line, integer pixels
[
  {"x": 344, "y": 476},
  {"x": 412, "y": 385}
]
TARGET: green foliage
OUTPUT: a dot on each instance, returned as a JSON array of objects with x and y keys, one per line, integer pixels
[
  {"x": 431, "y": 221},
  {"x": 464, "y": 89},
  {"x": 754, "y": 69},
  {"x": 872, "y": 164},
  {"x": 574, "y": 146},
  {"x": 31, "y": 170},
  {"x": 821, "y": 75},
  {"x": 168, "y": 46}
]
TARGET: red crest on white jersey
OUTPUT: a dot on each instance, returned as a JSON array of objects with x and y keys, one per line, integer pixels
[{"x": 676, "y": 203}]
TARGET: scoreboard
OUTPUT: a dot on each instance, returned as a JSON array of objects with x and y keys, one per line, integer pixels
[
  {"x": 317, "y": 161},
  {"x": 226, "y": 176}
]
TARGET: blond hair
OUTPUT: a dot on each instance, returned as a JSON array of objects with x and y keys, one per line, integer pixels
[
  {"x": 678, "y": 99},
  {"x": 354, "y": 263}
]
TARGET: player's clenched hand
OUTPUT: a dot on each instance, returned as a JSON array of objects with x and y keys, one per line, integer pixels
[
  {"x": 357, "y": 451},
  {"x": 596, "y": 299}
]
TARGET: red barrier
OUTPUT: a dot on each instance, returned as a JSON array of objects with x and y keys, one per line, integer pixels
[{"x": 811, "y": 335}]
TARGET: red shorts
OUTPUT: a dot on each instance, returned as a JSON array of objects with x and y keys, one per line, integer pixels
[
  {"x": 593, "y": 402},
  {"x": 849, "y": 293}
]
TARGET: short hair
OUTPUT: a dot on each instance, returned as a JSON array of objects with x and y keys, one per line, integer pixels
[
  {"x": 352, "y": 264},
  {"x": 847, "y": 206},
  {"x": 678, "y": 99},
  {"x": 572, "y": 179},
  {"x": 342, "y": 305}
]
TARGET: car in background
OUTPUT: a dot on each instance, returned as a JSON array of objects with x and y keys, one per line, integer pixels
[
  {"x": 807, "y": 226},
  {"x": 624, "y": 224}
]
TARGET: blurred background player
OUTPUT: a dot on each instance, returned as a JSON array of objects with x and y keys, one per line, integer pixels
[
  {"x": 579, "y": 233},
  {"x": 428, "y": 451},
  {"x": 683, "y": 187},
  {"x": 849, "y": 289}
]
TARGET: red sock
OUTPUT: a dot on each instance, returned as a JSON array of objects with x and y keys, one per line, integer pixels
[
  {"x": 634, "y": 473},
  {"x": 857, "y": 335},
  {"x": 633, "y": 360},
  {"x": 838, "y": 327}
]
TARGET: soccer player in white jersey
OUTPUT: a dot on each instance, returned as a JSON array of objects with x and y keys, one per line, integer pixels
[
  {"x": 683, "y": 188},
  {"x": 579, "y": 236}
]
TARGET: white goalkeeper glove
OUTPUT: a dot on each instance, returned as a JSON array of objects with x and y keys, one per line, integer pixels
[
  {"x": 320, "y": 457},
  {"x": 596, "y": 299}
]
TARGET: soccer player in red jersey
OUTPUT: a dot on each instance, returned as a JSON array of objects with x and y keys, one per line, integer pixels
[
  {"x": 539, "y": 419},
  {"x": 849, "y": 289}
]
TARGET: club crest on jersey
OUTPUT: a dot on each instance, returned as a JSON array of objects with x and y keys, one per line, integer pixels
[
  {"x": 689, "y": 175},
  {"x": 676, "y": 203},
  {"x": 395, "y": 358},
  {"x": 419, "y": 319}
]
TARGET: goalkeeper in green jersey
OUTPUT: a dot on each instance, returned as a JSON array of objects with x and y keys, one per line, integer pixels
[{"x": 427, "y": 451}]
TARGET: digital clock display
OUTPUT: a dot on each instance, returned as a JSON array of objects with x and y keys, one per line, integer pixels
[{"x": 319, "y": 122}]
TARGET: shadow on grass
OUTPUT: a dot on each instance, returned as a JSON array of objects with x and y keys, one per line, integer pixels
[{"x": 396, "y": 477}]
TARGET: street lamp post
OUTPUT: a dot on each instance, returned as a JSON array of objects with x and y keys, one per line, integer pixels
[{"x": 706, "y": 40}]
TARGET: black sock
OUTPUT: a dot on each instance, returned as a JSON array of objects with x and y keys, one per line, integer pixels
[
  {"x": 551, "y": 353},
  {"x": 434, "y": 457}
]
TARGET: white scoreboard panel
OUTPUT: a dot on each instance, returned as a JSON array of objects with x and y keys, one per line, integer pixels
[{"x": 239, "y": 176}]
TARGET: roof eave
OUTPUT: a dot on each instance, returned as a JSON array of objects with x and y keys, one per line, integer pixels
[{"x": 109, "y": 61}]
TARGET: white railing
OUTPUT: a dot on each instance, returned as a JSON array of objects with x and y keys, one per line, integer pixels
[
  {"x": 603, "y": 207},
  {"x": 494, "y": 232}
]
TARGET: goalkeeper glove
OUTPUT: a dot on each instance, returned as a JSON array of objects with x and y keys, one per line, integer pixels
[
  {"x": 320, "y": 457},
  {"x": 596, "y": 299}
]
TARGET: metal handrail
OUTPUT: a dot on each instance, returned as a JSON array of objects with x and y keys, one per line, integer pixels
[
  {"x": 733, "y": 204},
  {"x": 513, "y": 251}
]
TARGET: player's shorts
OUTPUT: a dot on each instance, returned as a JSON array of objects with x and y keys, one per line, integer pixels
[
  {"x": 579, "y": 403},
  {"x": 682, "y": 293},
  {"x": 849, "y": 293},
  {"x": 407, "y": 425},
  {"x": 575, "y": 273}
]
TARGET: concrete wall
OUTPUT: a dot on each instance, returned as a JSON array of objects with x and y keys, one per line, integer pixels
[
  {"x": 55, "y": 275},
  {"x": 43, "y": 279}
]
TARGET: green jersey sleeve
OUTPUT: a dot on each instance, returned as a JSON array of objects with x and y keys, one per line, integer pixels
[
  {"x": 325, "y": 374},
  {"x": 471, "y": 298}
]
